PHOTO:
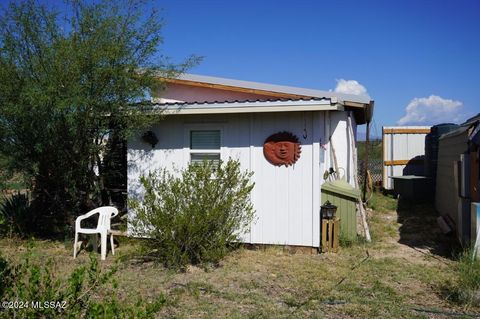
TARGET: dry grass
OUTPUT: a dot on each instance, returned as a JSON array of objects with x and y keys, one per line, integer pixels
[{"x": 384, "y": 279}]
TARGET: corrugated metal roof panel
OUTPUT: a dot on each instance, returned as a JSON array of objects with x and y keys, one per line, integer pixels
[
  {"x": 181, "y": 103},
  {"x": 364, "y": 99}
]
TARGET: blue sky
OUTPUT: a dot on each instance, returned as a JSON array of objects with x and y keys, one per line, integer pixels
[
  {"x": 418, "y": 59},
  {"x": 425, "y": 54}
]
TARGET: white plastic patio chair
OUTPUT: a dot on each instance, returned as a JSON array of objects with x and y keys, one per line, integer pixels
[{"x": 106, "y": 213}]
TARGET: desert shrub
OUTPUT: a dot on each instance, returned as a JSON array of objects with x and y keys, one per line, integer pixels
[
  {"x": 28, "y": 282},
  {"x": 16, "y": 216},
  {"x": 193, "y": 216},
  {"x": 346, "y": 241},
  {"x": 469, "y": 269},
  {"x": 5, "y": 276},
  {"x": 2, "y": 224},
  {"x": 59, "y": 78}
]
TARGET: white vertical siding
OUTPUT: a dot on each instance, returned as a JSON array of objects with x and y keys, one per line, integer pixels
[
  {"x": 318, "y": 137},
  {"x": 283, "y": 195},
  {"x": 286, "y": 199},
  {"x": 341, "y": 143}
]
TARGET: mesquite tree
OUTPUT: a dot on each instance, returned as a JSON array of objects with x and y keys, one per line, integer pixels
[{"x": 68, "y": 81}]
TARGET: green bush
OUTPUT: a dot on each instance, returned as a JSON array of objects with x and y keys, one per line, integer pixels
[
  {"x": 468, "y": 286},
  {"x": 5, "y": 276},
  {"x": 3, "y": 223},
  {"x": 193, "y": 216},
  {"x": 16, "y": 216},
  {"x": 28, "y": 282},
  {"x": 346, "y": 241}
]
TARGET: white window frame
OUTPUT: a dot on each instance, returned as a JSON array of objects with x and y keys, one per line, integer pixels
[{"x": 187, "y": 151}]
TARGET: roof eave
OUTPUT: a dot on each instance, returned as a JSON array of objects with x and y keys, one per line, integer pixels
[
  {"x": 248, "y": 107},
  {"x": 363, "y": 112}
]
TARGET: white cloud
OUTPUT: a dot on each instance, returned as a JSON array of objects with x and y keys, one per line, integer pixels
[
  {"x": 350, "y": 87},
  {"x": 432, "y": 110}
]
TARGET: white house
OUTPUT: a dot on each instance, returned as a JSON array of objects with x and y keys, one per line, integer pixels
[{"x": 216, "y": 118}]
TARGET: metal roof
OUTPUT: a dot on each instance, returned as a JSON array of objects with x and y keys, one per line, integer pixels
[
  {"x": 340, "y": 97},
  {"x": 464, "y": 127},
  {"x": 181, "y": 103}
]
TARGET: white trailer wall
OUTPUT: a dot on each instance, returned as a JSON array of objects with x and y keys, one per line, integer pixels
[
  {"x": 447, "y": 201},
  {"x": 286, "y": 199}
]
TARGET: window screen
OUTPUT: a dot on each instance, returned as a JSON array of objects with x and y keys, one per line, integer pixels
[{"x": 205, "y": 140}]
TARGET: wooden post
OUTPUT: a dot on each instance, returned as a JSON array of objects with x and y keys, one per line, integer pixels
[
  {"x": 360, "y": 208},
  {"x": 330, "y": 235},
  {"x": 363, "y": 213}
]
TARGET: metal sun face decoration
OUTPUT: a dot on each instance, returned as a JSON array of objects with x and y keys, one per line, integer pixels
[{"x": 282, "y": 148}]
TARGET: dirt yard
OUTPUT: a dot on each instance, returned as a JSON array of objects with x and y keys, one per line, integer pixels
[{"x": 404, "y": 273}]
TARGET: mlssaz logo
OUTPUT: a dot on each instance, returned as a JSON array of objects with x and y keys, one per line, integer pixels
[{"x": 49, "y": 304}]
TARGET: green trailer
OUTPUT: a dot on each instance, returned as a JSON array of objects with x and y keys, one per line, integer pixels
[{"x": 345, "y": 197}]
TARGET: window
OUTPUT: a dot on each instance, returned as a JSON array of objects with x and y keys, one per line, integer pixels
[{"x": 205, "y": 146}]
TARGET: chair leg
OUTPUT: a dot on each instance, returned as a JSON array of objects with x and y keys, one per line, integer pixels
[
  {"x": 75, "y": 245},
  {"x": 111, "y": 244},
  {"x": 103, "y": 245},
  {"x": 94, "y": 241}
]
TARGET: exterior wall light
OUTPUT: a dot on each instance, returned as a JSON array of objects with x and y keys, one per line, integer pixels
[
  {"x": 328, "y": 210},
  {"x": 150, "y": 138}
]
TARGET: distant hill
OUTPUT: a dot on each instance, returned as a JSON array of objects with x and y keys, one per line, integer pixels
[{"x": 362, "y": 136}]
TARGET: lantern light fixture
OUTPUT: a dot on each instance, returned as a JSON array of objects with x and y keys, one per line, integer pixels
[
  {"x": 150, "y": 138},
  {"x": 328, "y": 210}
]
